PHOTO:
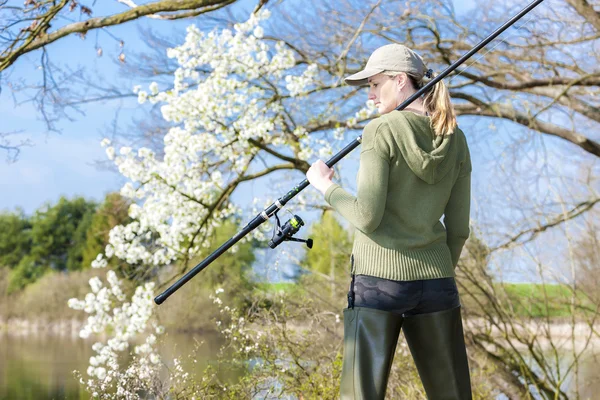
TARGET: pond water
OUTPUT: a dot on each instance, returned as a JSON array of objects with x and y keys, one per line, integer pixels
[{"x": 40, "y": 366}]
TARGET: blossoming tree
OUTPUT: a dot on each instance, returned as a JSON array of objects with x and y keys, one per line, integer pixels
[{"x": 236, "y": 100}]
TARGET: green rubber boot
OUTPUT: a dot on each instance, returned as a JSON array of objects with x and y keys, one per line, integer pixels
[
  {"x": 437, "y": 345},
  {"x": 370, "y": 338}
]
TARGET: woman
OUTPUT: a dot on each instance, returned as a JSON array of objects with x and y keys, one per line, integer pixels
[{"x": 414, "y": 168}]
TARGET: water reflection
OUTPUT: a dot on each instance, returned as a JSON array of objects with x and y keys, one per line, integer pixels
[{"x": 40, "y": 366}]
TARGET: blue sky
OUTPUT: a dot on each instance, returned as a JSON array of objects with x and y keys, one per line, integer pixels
[{"x": 63, "y": 164}]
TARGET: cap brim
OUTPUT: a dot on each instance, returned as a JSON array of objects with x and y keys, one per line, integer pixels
[{"x": 362, "y": 77}]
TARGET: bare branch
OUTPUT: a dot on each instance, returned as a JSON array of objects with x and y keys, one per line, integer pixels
[
  {"x": 40, "y": 38},
  {"x": 592, "y": 79},
  {"x": 299, "y": 164},
  {"x": 507, "y": 112},
  {"x": 180, "y": 15},
  {"x": 12, "y": 149},
  {"x": 344, "y": 53},
  {"x": 587, "y": 11},
  {"x": 531, "y": 234}
]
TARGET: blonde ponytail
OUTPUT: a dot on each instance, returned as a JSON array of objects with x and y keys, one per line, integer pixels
[{"x": 437, "y": 103}]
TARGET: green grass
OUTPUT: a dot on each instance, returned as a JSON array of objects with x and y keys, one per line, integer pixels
[
  {"x": 541, "y": 300},
  {"x": 537, "y": 290},
  {"x": 276, "y": 287}
]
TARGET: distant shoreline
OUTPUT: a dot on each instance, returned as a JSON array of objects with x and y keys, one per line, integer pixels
[
  {"x": 560, "y": 331},
  {"x": 23, "y": 327}
]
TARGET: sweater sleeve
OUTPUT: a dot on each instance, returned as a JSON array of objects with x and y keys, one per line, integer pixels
[
  {"x": 365, "y": 210},
  {"x": 456, "y": 216}
]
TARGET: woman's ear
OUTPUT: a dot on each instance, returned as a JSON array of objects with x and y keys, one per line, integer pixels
[{"x": 401, "y": 81}]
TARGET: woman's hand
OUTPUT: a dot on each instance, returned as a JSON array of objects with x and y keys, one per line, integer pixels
[{"x": 319, "y": 175}]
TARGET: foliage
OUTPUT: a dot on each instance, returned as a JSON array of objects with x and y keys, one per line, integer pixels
[
  {"x": 232, "y": 269},
  {"x": 27, "y": 271},
  {"x": 286, "y": 345},
  {"x": 66, "y": 236},
  {"x": 234, "y": 98},
  {"x": 53, "y": 232},
  {"x": 330, "y": 254},
  {"x": 57, "y": 237},
  {"x": 112, "y": 212},
  {"x": 15, "y": 240},
  {"x": 276, "y": 287},
  {"x": 32, "y": 26},
  {"x": 78, "y": 240},
  {"x": 190, "y": 308},
  {"x": 109, "y": 309}
]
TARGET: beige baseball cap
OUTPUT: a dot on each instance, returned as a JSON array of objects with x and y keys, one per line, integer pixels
[{"x": 391, "y": 57}]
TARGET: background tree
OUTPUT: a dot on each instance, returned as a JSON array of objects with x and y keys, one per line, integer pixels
[
  {"x": 330, "y": 255},
  {"x": 57, "y": 240},
  {"x": 32, "y": 26},
  {"x": 15, "y": 238},
  {"x": 537, "y": 336},
  {"x": 112, "y": 212},
  {"x": 288, "y": 136},
  {"x": 586, "y": 253}
]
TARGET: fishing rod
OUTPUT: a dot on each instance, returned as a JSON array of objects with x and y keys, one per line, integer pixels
[{"x": 291, "y": 227}]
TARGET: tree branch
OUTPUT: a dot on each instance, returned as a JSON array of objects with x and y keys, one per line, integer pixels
[
  {"x": 587, "y": 11},
  {"x": 266, "y": 172},
  {"x": 36, "y": 29},
  {"x": 299, "y": 164},
  {"x": 37, "y": 42},
  {"x": 533, "y": 232},
  {"x": 505, "y": 111},
  {"x": 12, "y": 149},
  {"x": 181, "y": 15},
  {"x": 356, "y": 34},
  {"x": 592, "y": 79}
]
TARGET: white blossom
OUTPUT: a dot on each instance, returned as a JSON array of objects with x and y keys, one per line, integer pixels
[
  {"x": 110, "y": 153},
  {"x": 154, "y": 88},
  {"x": 214, "y": 116},
  {"x": 95, "y": 284}
]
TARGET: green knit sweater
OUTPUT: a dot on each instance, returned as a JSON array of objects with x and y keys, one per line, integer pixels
[{"x": 407, "y": 179}]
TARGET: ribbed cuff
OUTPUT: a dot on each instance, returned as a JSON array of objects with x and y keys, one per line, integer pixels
[
  {"x": 455, "y": 244},
  {"x": 330, "y": 190}
]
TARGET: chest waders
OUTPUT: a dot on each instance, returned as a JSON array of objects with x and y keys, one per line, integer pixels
[{"x": 435, "y": 341}]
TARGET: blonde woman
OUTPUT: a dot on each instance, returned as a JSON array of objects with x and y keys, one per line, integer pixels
[{"x": 414, "y": 169}]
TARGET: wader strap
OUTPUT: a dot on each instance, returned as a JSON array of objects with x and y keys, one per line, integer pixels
[{"x": 351, "y": 292}]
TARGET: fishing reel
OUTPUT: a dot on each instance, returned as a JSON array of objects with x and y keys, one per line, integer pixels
[{"x": 285, "y": 232}]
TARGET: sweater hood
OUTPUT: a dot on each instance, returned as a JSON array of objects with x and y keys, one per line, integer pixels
[{"x": 430, "y": 157}]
